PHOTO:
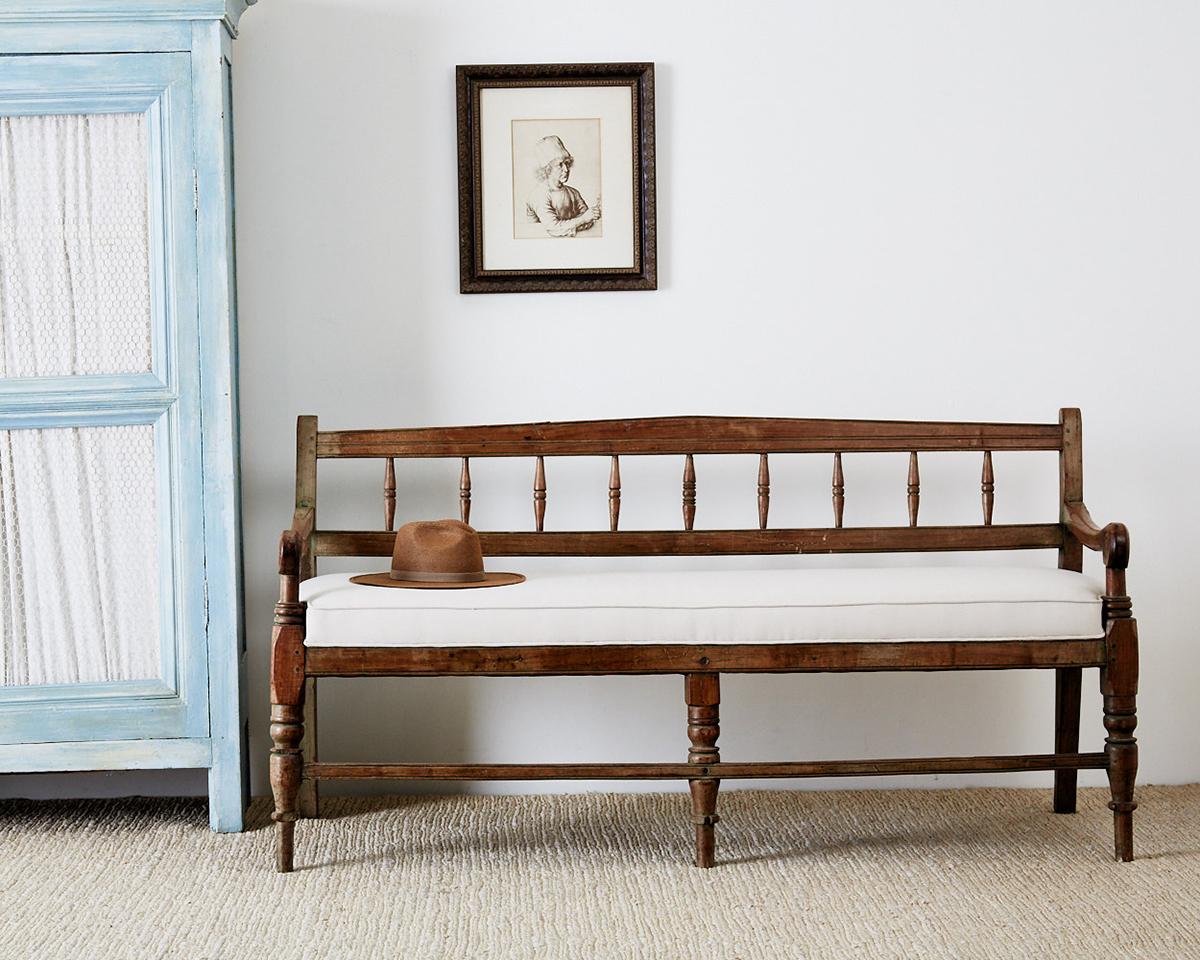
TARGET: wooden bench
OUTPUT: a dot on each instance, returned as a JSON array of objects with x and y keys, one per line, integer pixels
[{"x": 1094, "y": 625}]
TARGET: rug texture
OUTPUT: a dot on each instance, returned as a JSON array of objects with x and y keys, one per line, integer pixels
[{"x": 912, "y": 874}]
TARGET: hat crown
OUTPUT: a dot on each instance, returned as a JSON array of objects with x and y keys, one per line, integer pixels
[
  {"x": 437, "y": 550},
  {"x": 549, "y": 149}
]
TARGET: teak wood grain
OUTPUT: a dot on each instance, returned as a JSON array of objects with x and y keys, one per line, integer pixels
[{"x": 296, "y": 667}]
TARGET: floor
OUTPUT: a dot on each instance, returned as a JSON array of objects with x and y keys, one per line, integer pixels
[{"x": 973, "y": 873}]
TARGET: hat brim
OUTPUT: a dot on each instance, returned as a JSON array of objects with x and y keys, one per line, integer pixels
[{"x": 489, "y": 580}]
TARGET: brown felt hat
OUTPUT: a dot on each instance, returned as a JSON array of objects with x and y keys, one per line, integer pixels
[{"x": 437, "y": 555}]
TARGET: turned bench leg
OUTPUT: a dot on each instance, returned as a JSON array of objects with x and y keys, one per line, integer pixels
[
  {"x": 309, "y": 802},
  {"x": 1068, "y": 681},
  {"x": 287, "y": 703},
  {"x": 703, "y": 694},
  {"x": 287, "y": 730},
  {"x": 1118, "y": 684}
]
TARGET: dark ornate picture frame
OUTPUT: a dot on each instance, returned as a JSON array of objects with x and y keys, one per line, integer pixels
[{"x": 471, "y": 81}]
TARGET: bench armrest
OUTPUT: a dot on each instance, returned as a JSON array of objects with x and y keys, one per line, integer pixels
[
  {"x": 1111, "y": 541},
  {"x": 303, "y": 521},
  {"x": 294, "y": 545}
]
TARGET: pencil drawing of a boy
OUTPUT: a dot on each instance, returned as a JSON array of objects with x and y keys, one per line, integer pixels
[{"x": 559, "y": 207}]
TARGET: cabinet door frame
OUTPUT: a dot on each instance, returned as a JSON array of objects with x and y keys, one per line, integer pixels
[{"x": 159, "y": 86}]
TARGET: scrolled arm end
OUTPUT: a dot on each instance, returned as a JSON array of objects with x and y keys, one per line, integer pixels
[
  {"x": 1111, "y": 541},
  {"x": 289, "y": 554},
  {"x": 1115, "y": 546}
]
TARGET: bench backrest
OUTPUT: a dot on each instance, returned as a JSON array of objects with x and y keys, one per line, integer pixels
[{"x": 684, "y": 437}]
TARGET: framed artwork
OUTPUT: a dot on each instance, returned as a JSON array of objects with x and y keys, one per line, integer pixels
[{"x": 556, "y": 177}]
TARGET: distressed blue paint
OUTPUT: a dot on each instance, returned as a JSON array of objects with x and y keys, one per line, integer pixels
[
  {"x": 178, "y": 436},
  {"x": 104, "y": 755},
  {"x": 135, "y": 411},
  {"x": 172, "y": 600},
  {"x": 218, "y": 345},
  {"x": 158, "y": 86},
  {"x": 31, "y": 402},
  {"x": 89, "y": 389},
  {"x": 79, "y": 721},
  {"x": 84, "y": 37},
  {"x": 119, "y": 689},
  {"x": 170, "y": 60},
  {"x": 28, "y": 102},
  {"x": 91, "y": 83},
  {"x": 228, "y": 12}
]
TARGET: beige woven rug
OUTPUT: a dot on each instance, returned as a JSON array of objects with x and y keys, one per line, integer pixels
[{"x": 912, "y": 874}]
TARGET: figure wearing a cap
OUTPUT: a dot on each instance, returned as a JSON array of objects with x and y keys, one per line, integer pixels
[{"x": 560, "y": 208}]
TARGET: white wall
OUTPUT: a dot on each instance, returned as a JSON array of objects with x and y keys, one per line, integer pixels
[
  {"x": 895, "y": 210},
  {"x": 920, "y": 210}
]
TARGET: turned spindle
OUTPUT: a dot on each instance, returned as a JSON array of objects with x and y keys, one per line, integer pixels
[
  {"x": 389, "y": 494},
  {"x": 539, "y": 495},
  {"x": 764, "y": 491},
  {"x": 614, "y": 493},
  {"x": 839, "y": 491},
  {"x": 914, "y": 489},
  {"x": 988, "y": 487},
  {"x": 689, "y": 493},
  {"x": 464, "y": 491}
]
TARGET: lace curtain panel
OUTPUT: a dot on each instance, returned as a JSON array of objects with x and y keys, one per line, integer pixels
[
  {"x": 74, "y": 245},
  {"x": 79, "y": 566}
]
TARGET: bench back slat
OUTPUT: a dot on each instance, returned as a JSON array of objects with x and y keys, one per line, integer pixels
[{"x": 688, "y": 436}]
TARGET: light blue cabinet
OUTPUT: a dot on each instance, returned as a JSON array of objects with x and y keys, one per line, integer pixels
[{"x": 121, "y": 640}]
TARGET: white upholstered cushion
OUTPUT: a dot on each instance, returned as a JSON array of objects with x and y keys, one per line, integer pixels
[{"x": 711, "y": 607}]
